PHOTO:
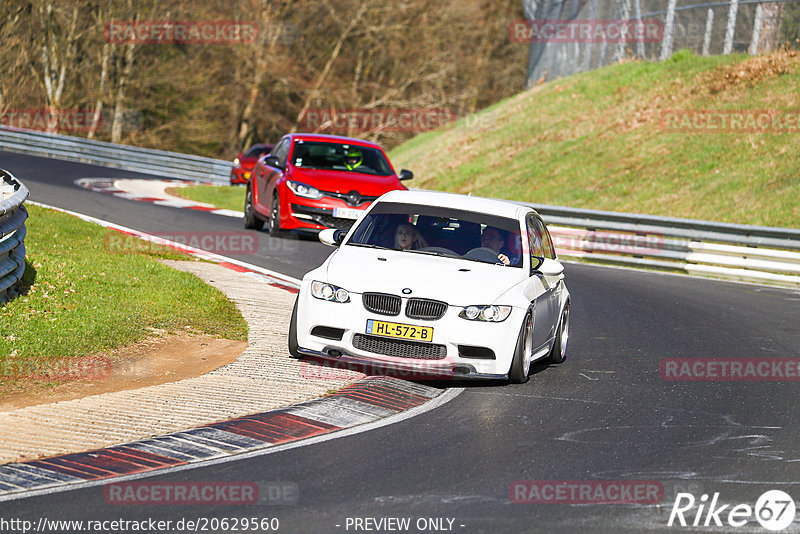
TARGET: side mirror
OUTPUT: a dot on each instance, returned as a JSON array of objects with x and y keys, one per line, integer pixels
[
  {"x": 272, "y": 161},
  {"x": 405, "y": 174},
  {"x": 548, "y": 267},
  {"x": 332, "y": 237}
]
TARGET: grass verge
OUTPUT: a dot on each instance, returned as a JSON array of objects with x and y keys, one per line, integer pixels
[
  {"x": 597, "y": 140},
  {"x": 81, "y": 295},
  {"x": 229, "y": 197}
]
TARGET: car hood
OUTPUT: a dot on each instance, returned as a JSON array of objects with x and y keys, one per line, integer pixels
[
  {"x": 344, "y": 182},
  {"x": 455, "y": 281},
  {"x": 248, "y": 163}
]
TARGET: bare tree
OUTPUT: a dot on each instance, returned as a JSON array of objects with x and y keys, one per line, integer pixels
[
  {"x": 272, "y": 30},
  {"x": 323, "y": 75},
  {"x": 51, "y": 61}
]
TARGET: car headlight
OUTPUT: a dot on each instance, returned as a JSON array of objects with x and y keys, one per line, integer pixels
[
  {"x": 303, "y": 190},
  {"x": 236, "y": 163},
  {"x": 324, "y": 291},
  {"x": 491, "y": 314}
]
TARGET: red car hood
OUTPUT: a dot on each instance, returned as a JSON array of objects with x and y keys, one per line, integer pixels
[
  {"x": 344, "y": 182},
  {"x": 248, "y": 163}
]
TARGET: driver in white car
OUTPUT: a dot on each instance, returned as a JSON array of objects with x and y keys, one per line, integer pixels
[{"x": 491, "y": 238}]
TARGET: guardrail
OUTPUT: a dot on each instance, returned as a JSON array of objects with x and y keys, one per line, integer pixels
[
  {"x": 13, "y": 214},
  {"x": 130, "y": 158},
  {"x": 733, "y": 251}
]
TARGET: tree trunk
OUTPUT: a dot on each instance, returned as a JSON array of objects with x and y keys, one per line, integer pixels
[
  {"x": 770, "y": 27},
  {"x": 98, "y": 107},
  {"x": 119, "y": 100},
  {"x": 56, "y": 56}
]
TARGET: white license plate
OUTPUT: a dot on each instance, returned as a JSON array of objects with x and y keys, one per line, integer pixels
[{"x": 346, "y": 213}]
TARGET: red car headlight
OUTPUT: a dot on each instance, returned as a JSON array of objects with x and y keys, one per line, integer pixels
[{"x": 304, "y": 190}]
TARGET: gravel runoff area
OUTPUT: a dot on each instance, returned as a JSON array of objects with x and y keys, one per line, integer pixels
[{"x": 263, "y": 378}]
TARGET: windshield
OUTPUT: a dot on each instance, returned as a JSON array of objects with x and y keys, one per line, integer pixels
[
  {"x": 440, "y": 231},
  {"x": 339, "y": 157},
  {"x": 257, "y": 151}
]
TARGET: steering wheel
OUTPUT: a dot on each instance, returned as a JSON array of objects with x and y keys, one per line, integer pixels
[{"x": 484, "y": 254}]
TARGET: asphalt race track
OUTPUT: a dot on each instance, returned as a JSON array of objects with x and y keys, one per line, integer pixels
[
  {"x": 606, "y": 414},
  {"x": 52, "y": 182}
]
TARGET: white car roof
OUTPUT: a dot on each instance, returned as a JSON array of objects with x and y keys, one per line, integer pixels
[{"x": 502, "y": 208}]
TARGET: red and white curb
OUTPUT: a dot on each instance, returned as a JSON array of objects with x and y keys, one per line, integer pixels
[
  {"x": 152, "y": 191},
  {"x": 374, "y": 401}
]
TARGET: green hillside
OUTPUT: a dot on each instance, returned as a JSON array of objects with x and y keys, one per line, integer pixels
[{"x": 598, "y": 140}]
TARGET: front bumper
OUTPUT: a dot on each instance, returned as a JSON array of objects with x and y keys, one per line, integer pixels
[
  {"x": 451, "y": 332},
  {"x": 240, "y": 176},
  {"x": 307, "y": 214},
  {"x": 408, "y": 371}
]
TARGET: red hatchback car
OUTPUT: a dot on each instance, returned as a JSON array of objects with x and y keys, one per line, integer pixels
[
  {"x": 311, "y": 182},
  {"x": 245, "y": 161}
]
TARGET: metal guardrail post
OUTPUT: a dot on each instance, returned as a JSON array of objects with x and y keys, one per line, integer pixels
[{"x": 13, "y": 214}]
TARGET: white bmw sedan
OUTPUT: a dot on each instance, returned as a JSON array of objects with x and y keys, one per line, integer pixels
[{"x": 439, "y": 284}]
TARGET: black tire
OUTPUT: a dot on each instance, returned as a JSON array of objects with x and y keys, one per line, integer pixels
[
  {"x": 275, "y": 216},
  {"x": 293, "y": 352},
  {"x": 559, "y": 351},
  {"x": 518, "y": 373},
  {"x": 251, "y": 219}
]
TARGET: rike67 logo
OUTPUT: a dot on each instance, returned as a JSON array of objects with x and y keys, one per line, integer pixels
[{"x": 774, "y": 510}]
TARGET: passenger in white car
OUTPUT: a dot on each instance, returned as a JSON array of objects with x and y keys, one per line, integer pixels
[{"x": 406, "y": 237}]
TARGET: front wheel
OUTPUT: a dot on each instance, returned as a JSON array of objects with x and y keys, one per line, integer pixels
[
  {"x": 521, "y": 364},
  {"x": 559, "y": 351},
  {"x": 293, "y": 333},
  {"x": 275, "y": 216},
  {"x": 251, "y": 220}
]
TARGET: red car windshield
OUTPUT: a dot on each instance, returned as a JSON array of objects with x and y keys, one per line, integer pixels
[
  {"x": 257, "y": 151},
  {"x": 339, "y": 157}
]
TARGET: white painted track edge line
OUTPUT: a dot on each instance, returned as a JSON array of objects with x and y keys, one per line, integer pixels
[{"x": 289, "y": 280}]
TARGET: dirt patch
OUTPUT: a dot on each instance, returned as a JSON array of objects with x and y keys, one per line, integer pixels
[
  {"x": 156, "y": 360},
  {"x": 750, "y": 72}
]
